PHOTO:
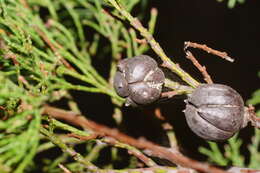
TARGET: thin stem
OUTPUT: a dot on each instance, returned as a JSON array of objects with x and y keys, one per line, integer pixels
[
  {"x": 204, "y": 47},
  {"x": 176, "y": 86},
  {"x": 201, "y": 68},
  {"x": 76, "y": 156},
  {"x": 155, "y": 45}
]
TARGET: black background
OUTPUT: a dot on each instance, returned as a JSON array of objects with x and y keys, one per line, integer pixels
[{"x": 235, "y": 31}]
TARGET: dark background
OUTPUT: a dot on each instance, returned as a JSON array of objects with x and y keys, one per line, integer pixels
[{"x": 235, "y": 31}]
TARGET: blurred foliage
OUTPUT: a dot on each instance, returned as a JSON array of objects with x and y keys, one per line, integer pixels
[
  {"x": 43, "y": 45},
  {"x": 232, "y": 3}
]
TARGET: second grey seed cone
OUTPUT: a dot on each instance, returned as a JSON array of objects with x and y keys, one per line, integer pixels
[{"x": 139, "y": 80}]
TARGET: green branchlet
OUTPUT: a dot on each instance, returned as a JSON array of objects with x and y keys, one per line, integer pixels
[{"x": 38, "y": 54}]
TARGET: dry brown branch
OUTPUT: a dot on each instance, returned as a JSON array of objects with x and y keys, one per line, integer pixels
[
  {"x": 201, "y": 68},
  {"x": 252, "y": 117},
  {"x": 158, "y": 114},
  {"x": 204, "y": 47},
  {"x": 23, "y": 80},
  {"x": 162, "y": 152},
  {"x": 243, "y": 170},
  {"x": 8, "y": 54},
  {"x": 64, "y": 169},
  {"x": 159, "y": 169},
  {"x": 25, "y": 4},
  {"x": 169, "y": 94},
  {"x": 53, "y": 48},
  {"x": 141, "y": 41},
  {"x": 85, "y": 138}
]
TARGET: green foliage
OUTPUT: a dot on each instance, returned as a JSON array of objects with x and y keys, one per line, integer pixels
[{"x": 43, "y": 43}]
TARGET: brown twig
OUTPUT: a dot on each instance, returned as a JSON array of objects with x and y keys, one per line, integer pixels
[
  {"x": 23, "y": 80},
  {"x": 252, "y": 117},
  {"x": 25, "y": 3},
  {"x": 64, "y": 169},
  {"x": 201, "y": 68},
  {"x": 43, "y": 70},
  {"x": 12, "y": 56},
  {"x": 243, "y": 170},
  {"x": 53, "y": 48},
  {"x": 204, "y": 47},
  {"x": 169, "y": 94},
  {"x": 155, "y": 150},
  {"x": 2, "y": 108},
  {"x": 158, "y": 114},
  {"x": 9, "y": 54},
  {"x": 158, "y": 169},
  {"x": 85, "y": 138},
  {"x": 141, "y": 41}
]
